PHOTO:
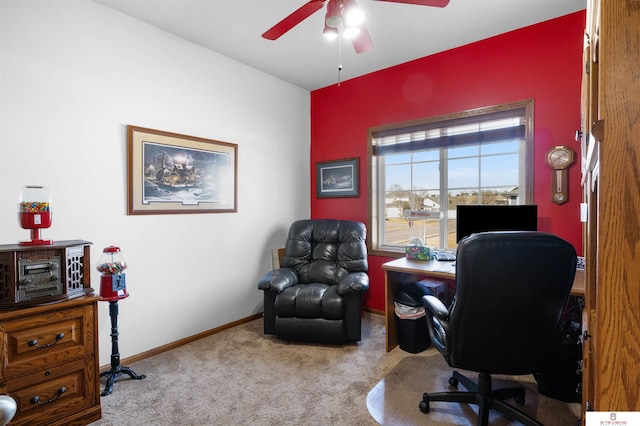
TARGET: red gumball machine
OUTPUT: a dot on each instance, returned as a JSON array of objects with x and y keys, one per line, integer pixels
[
  {"x": 111, "y": 266},
  {"x": 34, "y": 213}
]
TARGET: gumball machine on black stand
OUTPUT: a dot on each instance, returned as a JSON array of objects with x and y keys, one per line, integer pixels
[{"x": 111, "y": 266}]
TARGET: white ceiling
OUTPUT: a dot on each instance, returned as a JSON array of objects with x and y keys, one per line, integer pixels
[{"x": 400, "y": 32}]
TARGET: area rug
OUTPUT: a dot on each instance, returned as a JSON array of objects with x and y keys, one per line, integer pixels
[{"x": 394, "y": 400}]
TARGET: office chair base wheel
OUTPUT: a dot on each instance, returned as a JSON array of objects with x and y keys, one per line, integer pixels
[
  {"x": 424, "y": 404},
  {"x": 453, "y": 382}
]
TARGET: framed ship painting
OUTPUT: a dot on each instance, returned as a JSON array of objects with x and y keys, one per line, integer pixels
[{"x": 171, "y": 173}]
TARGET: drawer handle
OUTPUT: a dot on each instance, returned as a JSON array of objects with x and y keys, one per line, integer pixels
[
  {"x": 36, "y": 399},
  {"x": 34, "y": 342}
]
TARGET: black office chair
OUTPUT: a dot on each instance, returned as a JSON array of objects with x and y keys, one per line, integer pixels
[{"x": 511, "y": 291}]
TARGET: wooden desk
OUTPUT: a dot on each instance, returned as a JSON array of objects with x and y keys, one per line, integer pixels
[{"x": 403, "y": 270}]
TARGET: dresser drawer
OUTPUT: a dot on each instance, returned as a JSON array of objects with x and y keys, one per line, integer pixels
[
  {"x": 39, "y": 342},
  {"x": 54, "y": 393}
]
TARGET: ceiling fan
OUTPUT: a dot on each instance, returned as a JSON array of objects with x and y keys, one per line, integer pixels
[{"x": 342, "y": 15}]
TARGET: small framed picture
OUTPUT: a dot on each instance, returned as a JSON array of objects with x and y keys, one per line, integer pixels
[{"x": 338, "y": 178}]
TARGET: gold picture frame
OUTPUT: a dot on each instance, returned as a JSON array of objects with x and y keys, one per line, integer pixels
[{"x": 170, "y": 173}]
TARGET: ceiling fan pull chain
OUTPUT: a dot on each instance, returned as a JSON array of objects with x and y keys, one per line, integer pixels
[{"x": 339, "y": 57}]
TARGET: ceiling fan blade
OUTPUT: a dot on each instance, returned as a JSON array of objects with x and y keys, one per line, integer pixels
[
  {"x": 433, "y": 3},
  {"x": 302, "y": 13},
  {"x": 362, "y": 42}
]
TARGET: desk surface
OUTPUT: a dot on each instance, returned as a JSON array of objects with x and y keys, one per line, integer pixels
[
  {"x": 432, "y": 268},
  {"x": 447, "y": 270}
]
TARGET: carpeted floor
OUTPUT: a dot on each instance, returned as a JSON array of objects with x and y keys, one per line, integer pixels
[{"x": 242, "y": 377}]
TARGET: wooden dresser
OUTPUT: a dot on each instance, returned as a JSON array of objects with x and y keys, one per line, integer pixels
[
  {"x": 611, "y": 182},
  {"x": 49, "y": 362}
]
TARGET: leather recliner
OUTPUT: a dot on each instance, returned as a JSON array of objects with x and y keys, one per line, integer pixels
[{"x": 316, "y": 294}]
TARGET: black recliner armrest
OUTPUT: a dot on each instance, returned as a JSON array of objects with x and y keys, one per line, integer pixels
[
  {"x": 278, "y": 279},
  {"x": 354, "y": 282}
]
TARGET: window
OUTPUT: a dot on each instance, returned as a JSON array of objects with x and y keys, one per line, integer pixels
[{"x": 421, "y": 170}]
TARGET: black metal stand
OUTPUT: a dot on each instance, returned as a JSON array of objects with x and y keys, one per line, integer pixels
[{"x": 116, "y": 369}]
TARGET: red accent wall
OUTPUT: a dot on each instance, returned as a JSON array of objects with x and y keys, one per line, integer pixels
[{"x": 541, "y": 62}]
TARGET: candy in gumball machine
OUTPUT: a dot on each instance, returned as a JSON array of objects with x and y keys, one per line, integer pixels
[
  {"x": 111, "y": 266},
  {"x": 34, "y": 213}
]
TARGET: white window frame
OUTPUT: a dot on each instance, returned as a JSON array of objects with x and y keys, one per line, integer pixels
[{"x": 376, "y": 167}]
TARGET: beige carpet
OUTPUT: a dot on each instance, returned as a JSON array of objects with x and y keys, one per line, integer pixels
[
  {"x": 394, "y": 400},
  {"x": 242, "y": 377}
]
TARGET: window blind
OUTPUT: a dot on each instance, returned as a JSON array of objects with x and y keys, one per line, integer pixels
[{"x": 455, "y": 133}]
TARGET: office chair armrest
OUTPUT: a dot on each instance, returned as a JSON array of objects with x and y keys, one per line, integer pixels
[
  {"x": 278, "y": 279},
  {"x": 353, "y": 282},
  {"x": 435, "y": 307},
  {"x": 437, "y": 323}
]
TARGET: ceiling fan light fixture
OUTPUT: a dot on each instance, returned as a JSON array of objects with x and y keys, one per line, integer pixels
[
  {"x": 351, "y": 32},
  {"x": 333, "y": 18},
  {"x": 330, "y": 33},
  {"x": 352, "y": 14}
]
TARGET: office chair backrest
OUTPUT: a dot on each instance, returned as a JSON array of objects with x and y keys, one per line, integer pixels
[
  {"x": 325, "y": 250},
  {"x": 511, "y": 290}
]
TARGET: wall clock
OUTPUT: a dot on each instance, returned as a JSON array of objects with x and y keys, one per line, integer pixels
[{"x": 559, "y": 158}]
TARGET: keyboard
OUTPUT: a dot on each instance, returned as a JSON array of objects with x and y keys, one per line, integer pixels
[{"x": 445, "y": 256}]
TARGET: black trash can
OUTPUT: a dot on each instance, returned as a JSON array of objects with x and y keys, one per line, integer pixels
[{"x": 413, "y": 335}]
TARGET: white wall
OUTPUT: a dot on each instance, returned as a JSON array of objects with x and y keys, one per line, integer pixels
[{"x": 73, "y": 74}]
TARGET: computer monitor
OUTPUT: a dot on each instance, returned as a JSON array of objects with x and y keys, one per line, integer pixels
[{"x": 482, "y": 218}]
